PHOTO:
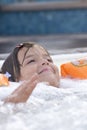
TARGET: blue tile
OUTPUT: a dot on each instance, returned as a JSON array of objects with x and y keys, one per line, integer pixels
[
  {"x": 44, "y": 22},
  {"x": 14, "y": 1}
]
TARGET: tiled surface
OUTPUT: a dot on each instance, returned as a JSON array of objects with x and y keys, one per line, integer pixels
[
  {"x": 14, "y": 1},
  {"x": 43, "y": 22}
]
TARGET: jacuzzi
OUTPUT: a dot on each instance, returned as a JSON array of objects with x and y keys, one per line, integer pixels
[{"x": 48, "y": 108}]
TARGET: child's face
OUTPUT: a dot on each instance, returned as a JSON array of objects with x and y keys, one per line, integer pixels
[{"x": 37, "y": 60}]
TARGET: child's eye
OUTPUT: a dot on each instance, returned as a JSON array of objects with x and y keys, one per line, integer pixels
[{"x": 31, "y": 61}]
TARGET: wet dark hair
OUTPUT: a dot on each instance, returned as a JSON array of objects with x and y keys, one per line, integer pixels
[{"x": 12, "y": 65}]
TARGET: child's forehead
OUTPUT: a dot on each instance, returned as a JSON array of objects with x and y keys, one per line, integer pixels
[
  {"x": 40, "y": 48},
  {"x": 37, "y": 49}
]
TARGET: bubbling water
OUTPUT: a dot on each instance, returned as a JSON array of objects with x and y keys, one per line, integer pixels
[{"x": 48, "y": 108}]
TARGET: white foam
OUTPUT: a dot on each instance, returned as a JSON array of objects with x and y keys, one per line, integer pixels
[{"x": 63, "y": 108}]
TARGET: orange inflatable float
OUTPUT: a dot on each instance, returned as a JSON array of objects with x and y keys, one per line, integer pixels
[
  {"x": 76, "y": 69},
  {"x": 4, "y": 79}
]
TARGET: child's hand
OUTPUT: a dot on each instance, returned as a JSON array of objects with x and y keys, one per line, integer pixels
[{"x": 22, "y": 93}]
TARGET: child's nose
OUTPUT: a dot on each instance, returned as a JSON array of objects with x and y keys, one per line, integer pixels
[{"x": 44, "y": 62}]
